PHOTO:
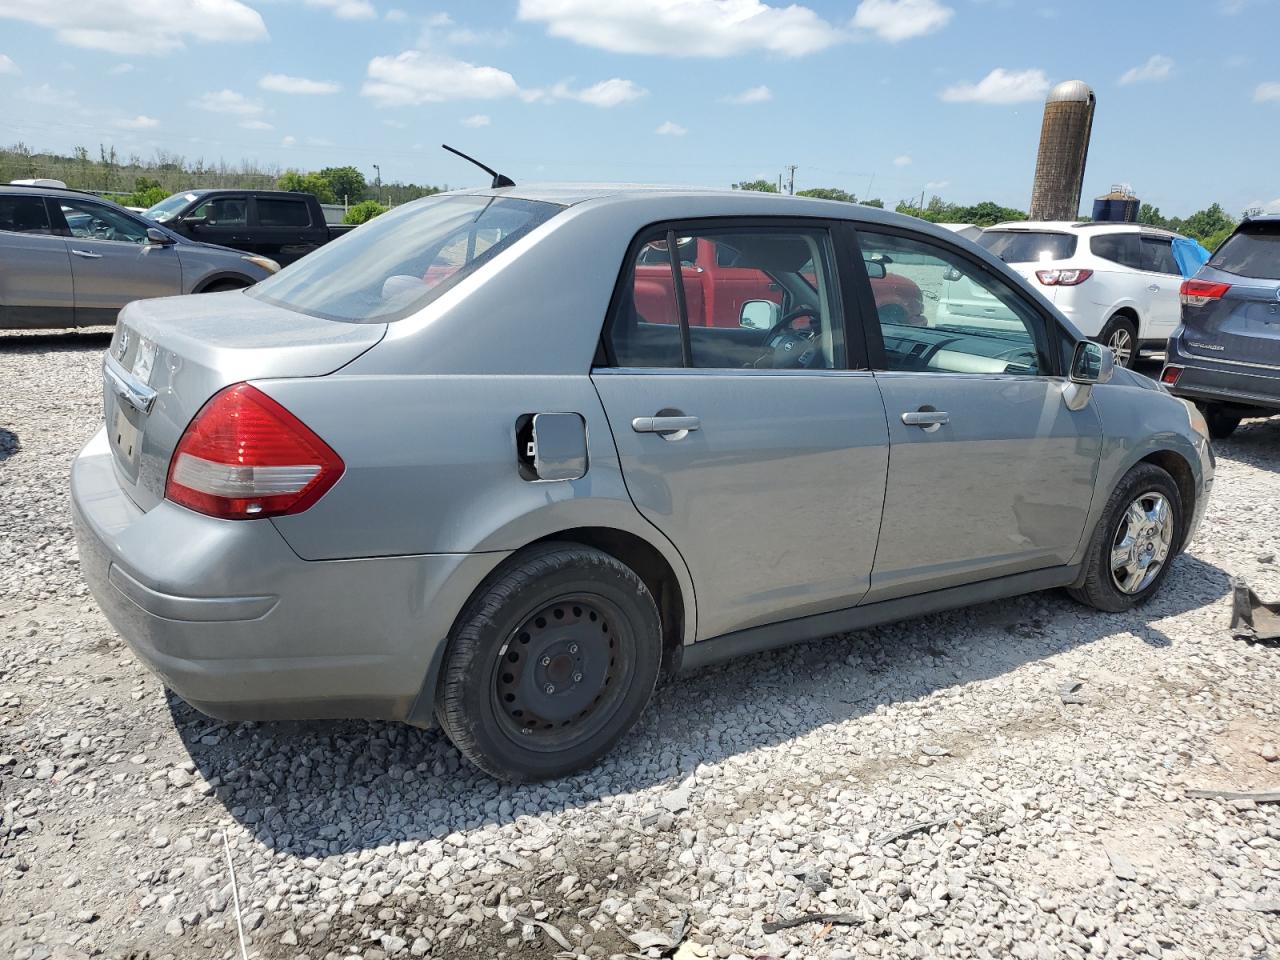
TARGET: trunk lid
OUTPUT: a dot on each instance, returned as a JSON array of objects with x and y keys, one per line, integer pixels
[
  {"x": 1243, "y": 324},
  {"x": 169, "y": 356}
]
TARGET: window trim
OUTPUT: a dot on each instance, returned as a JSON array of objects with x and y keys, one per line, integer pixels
[
  {"x": 55, "y": 203},
  {"x": 855, "y": 353},
  {"x": 1049, "y": 339}
]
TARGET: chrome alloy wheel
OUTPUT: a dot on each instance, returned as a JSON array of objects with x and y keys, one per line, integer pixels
[
  {"x": 1142, "y": 542},
  {"x": 1121, "y": 345}
]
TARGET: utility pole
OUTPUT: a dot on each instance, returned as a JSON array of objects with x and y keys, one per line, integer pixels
[
  {"x": 791, "y": 179},
  {"x": 377, "y": 181}
]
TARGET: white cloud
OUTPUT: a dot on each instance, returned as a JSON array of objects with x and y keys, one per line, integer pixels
[
  {"x": 1000, "y": 86},
  {"x": 1267, "y": 92},
  {"x": 606, "y": 93},
  {"x": 347, "y": 9},
  {"x": 140, "y": 122},
  {"x": 283, "y": 83},
  {"x": 902, "y": 161},
  {"x": 319, "y": 142},
  {"x": 49, "y": 96},
  {"x": 121, "y": 68},
  {"x": 896, "y": 20},
  {"x": 1157, "y": 67},
  {"x": 751, "y": 95},
  {"x": 289, "y": 141},
  {"x": 688, "y": 28},
  {"x": 416, "y": 77},
  {"x": 937, "y": 184},
  {"x": 144, "y": 27},
  {"x": 228, "y": 101},
  {"x": 669, "y": 129},
  {"x": 1271, "y": 206},
  {"x": 395, "y": 15},
  {"x": 7, "y": 66},
  {"x": 476, "y": 120},
  {"x": 256, "y": 125}
]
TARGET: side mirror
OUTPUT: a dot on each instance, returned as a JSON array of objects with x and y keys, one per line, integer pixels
[
  {"x": 760, "y": 315},
  {"x": 952, "y": 275},
  {"x": 194, "y": 221},
  {"x": 1092, "y": 363},
  {"x": 158, "y": 237},
  {"x": 875, "y": 269}
]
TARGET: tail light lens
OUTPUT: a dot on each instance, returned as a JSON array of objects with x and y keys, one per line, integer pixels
[
  {"x": 1196, "y": 293},
  {"x": 1170, "y": 375},
  {"x": 1063, "y": 278},
  {"x": 244, "y": 457}
]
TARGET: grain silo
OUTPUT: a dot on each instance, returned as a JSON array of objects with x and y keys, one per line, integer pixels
[{"x": 1064, "y": 147}]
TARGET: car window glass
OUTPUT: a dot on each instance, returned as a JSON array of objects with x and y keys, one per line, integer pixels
[
  {"x": 283, "y": 213},
  {"x": 644, "y": 330},
  {"x": 1121, "y": 248},
  {"x": 24, "y": 214},
  {"x": 93, "y": 221},
  {"x": 762, "y": 299},
  {"x": 223, "y": 212},
  {"x": 1157, "y": 256},
  {"x": 939, "y": 313},
  {"x": 1028, "y": 246},
  {"x": 1252, "y": 251}
]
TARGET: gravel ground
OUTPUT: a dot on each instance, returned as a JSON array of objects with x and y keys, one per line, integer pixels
[{"x": 926, "y": 780}]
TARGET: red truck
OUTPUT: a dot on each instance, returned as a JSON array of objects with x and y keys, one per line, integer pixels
[{"x": 715, "y": 290}]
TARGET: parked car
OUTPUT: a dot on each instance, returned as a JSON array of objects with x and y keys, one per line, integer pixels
[
  {"x": 1117, "y": 282},
  {"x": 71, "y": 259},
  {"x": 1226, "y": 354},
  {"x": 283, "y": 225},
  {"x": 430, "y": 470}
]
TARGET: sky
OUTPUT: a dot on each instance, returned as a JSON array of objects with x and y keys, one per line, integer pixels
[{"x": 883, "y": 98}]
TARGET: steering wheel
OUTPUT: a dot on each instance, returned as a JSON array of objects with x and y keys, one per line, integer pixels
[{"x": 785, "y": 347}]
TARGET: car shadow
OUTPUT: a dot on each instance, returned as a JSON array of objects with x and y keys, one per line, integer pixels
[
  {"x": 9, "y": 444},
  {"x": 98, "y": 337},
  {"x": 313, "y": 788},
  {"x": 1256, "y": 442}
]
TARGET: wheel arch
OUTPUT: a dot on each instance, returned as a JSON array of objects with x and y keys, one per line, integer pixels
[
  {"x": 1176, "y": 465},
  {"x": 222, "y": 276}
]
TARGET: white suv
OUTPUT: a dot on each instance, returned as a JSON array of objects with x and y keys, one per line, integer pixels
[{"x": 1117, "y": 282}]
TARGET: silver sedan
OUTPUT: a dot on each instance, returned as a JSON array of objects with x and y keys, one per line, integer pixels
[{"x": 510, "y": 457}]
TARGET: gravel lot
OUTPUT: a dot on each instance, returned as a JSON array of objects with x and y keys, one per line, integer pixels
[{"x": 752, "y": 793}]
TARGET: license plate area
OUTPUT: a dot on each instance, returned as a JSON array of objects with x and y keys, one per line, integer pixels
[{"x": 124, "y": 431}]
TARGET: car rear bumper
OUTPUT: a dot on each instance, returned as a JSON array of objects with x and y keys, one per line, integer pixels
[
  {"x": 1223, "y": 381},
  {"x": 236, "y": 624}
]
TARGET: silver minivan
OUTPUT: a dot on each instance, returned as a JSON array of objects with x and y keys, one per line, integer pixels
[{"x": 510, "y": 457}]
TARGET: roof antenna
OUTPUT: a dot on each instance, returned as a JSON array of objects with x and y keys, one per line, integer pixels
[{"x": 498, "y": 179}]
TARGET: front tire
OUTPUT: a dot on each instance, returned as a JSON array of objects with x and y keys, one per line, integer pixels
[
  {"x": 1134, "y": 543},
  {"x": 1121, "y": 336},
  {"x": 550, "y": 663}
]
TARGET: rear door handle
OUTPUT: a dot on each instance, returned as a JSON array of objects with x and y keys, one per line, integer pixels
[
  {"x": 925, "y": 418},
  {"x": 1154, "y": 288},
  {"x": 87, "y": 255},
  {"x": 664, "y": 424}
]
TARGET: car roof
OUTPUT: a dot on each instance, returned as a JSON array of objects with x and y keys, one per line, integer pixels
[
  {"x": 17, "y": 188},
  {"x": 1072, "y": 226}
]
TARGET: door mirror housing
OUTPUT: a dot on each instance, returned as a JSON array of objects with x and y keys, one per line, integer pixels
[
  {"x": 760, "y": 315},
  {"x": 194, "y": 221},
  {"x": 1092, "y": 363},
  {"x": 158, "y": 237},
  {"x": 875, "y": 269}
]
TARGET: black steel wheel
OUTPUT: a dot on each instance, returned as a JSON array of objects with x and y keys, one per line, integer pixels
[{"x": 551, "y": 663}]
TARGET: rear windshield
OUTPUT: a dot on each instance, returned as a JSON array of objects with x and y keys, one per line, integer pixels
[
  {"x": 399, "y": 262},
  {"x": 1028, "y": 246},
  {"x": 1252, "y": 251}
]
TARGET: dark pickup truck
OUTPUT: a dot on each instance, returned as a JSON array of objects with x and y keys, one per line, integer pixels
[{"x": 279, "y": 224}]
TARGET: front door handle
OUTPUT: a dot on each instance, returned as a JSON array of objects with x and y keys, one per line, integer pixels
[
  {"x": 665, "y": 424},
  {"x": 1154, "y": 288},
  {"x": 87, "y": 255},
  {"x": 925, "y": 418}
]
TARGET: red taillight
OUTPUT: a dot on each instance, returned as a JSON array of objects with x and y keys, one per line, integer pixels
[
  {"x": 1063, "y": 278},
  {"x": 244, "y": 456},
  {"x": 1196, "y": 293},
  {"x": 1170, "y": 375}
]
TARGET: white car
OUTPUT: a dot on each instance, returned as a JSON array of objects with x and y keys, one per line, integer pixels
[{"x": 1117, "y": 282}]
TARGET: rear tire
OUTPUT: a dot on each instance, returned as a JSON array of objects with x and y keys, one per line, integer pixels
[
  {"x": 1222, "y": 424},
  {"x": 550, "y": 664},
  {"x": 1131, "y": 538},
  {"x": 1121, "y": 336}
]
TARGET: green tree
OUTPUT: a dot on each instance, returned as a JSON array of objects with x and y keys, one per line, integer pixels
[
  {"x": 345, "y": 182},
  {"x": 307, "y": 183},
  {"x": 760, "y": 186},
  {"x": 1151, "y": 216},
  {"x": 1208, "y": 223},
  {"x": 828, "y": 193},
  {"x": 877, "y": 202},
  {"x": 364, "y": 211}
]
